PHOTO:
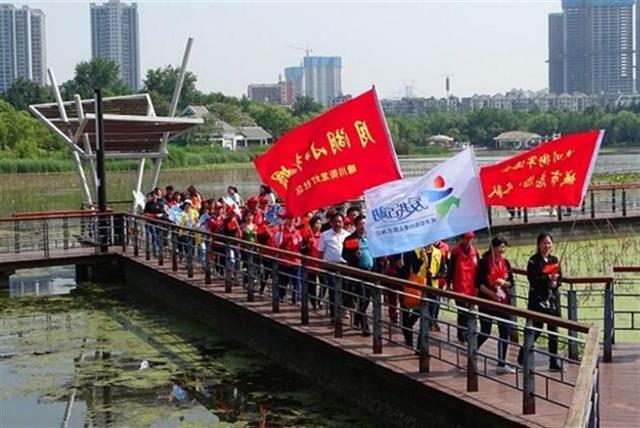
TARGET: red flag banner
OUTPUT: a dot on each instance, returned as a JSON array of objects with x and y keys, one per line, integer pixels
[
  {"x": 554, "y": 173},
  {"x": 332, "y": 158}
]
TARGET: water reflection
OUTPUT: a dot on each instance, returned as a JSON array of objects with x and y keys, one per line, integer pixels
[
  {"x": 41, "y": 282},
  {"x": 98, "y": 358}
]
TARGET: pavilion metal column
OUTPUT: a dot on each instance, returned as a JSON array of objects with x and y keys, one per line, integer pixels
[
  {"x": 138, "y": 189},
  {"x": 172, "y": 112},
  {"x": 76, "y": 157},
  {"x": 87, "y": 145},
  {"x": 103, "y": 222}
]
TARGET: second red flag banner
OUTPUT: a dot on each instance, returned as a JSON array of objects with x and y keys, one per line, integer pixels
[
  {"x": 332, "y": 158},
  {"x": 554, "y": 173}
]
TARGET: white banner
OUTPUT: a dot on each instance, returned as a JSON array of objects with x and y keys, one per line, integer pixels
[{"x": 407, "y": 214}]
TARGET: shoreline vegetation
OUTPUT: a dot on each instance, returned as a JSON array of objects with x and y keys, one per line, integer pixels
[{"x": 199, "y": 158}]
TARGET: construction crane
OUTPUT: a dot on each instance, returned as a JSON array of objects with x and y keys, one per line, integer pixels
[{"x": 306, "y": 49}]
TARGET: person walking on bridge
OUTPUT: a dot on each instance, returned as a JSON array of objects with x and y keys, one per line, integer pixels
[
  {"x": 461, "y": 278},
  {"x": 330, "y": 248},
  {"x": 545, "y": 276},
  {"x": 357, "y": 253},
  {"x": 494, "y": 278}
]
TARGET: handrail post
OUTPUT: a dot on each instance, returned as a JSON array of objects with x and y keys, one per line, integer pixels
[
  {"x": 228, "y": 281},
  {"x": 472, "y": 349},
  {"x": 583, "y": 208},
  {"x": 65, "y": 233},
  {"x": 304, "y": 295},
  {"x": 174, "y": 251},
  {"x": 608, "y": 322},
  {"x": 160, "y": 246},
  {"x": 624, "y": 203},
  {"x": 613, "y": 200},
  {"x": 124, "y": 235},
  {"x": 376, "y": 297},
  {"x": 147, "y": 240},
  {"x": 489, "y": 217},
  {"x": 136, "y": 249},
  {"x": 249, "y": 257},
  {"x": 16, "y": 236},
  {"x": 190, "y": 244},
  {"x": 423, "y": 338},
  {"x": 528, "y": 377},
  {"x": 275, "y": 292},
  {"x": 337, "y": 305},
  {"x": 593, "y": 204},
  {"x": 526, "y": 215},
  {"x": 207, "y": 261},
  {"x": 572, "y": 305},
  {"x": 45, "y": 238},
  {"x": 559, "y": 212}
]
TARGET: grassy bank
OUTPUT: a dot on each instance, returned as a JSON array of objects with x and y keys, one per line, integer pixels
[{"x": 179, "y": 157}]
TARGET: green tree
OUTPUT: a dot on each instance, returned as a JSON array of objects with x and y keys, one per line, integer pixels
[
  {"x": 274, "y": 119},
  {"x": 99, "y": 73},
  {"x": 24, "y": 92},
  {"x": 543, "y": 124},
  {"x": 160, "y": 84},
  {"x": 306, "y": 106},
  {"x": 230, "y": 113}
]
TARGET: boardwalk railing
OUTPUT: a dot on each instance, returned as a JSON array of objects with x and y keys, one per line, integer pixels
[
  {"x": 601, "y": 201},
  {"x": 375, "y": 305}
]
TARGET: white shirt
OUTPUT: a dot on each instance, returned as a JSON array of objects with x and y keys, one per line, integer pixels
[{"x": 331, "y": 245}]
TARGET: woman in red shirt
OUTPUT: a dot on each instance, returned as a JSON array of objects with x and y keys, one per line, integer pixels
[{"x": 494, "y": 278}]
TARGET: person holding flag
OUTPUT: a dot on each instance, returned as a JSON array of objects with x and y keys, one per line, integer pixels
[
  {"x": 545, "y": 276},
  {"x": 494, "y": 278}
]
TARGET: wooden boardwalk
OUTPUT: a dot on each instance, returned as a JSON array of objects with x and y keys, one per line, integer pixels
[{"x": 619, "y": 380}]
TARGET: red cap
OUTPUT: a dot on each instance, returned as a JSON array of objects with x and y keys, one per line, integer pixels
[{"x": 469, "y": 235}]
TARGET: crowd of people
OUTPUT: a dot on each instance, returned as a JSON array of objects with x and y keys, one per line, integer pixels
[{"x": 338, "y": 235}]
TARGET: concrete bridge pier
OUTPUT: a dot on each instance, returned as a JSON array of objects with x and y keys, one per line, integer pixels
[
  {"x": 103, "y": 271},
  {"x": 4, "y": 278}
]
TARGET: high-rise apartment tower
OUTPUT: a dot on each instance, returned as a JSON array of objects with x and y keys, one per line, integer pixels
[
  {"x": 322, "y": 78},
  {"x": 595, "y": 40},
  {"x": 114, "y": 35},
  {"x": 22, "y": 45}
]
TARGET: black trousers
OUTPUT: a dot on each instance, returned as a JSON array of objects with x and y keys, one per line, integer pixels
[
  {"x": 504, "y": 332},
  {"x": 463, "y": 318}
]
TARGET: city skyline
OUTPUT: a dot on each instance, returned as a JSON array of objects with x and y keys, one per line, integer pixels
[{"x": 392, "y": 46}]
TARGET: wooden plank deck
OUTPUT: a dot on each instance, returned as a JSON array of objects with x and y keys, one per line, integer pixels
[{"x": 619, "y": 380}]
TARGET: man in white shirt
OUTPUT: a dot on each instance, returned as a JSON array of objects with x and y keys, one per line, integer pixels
[{"x": 330, "y": 249}]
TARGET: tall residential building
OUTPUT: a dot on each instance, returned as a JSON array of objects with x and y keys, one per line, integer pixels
[
  {"x": 598, "y": 46},
  {"x": 294, "y": 83},
  {"x": 22, "y": 45},
  {"x": 322, "y": 78},
  {"x": 556, "y": 53},
  {"x": 114, "y": 35}
]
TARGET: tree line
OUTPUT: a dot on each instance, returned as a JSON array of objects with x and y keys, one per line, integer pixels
[{"x": 22, "y": 136}]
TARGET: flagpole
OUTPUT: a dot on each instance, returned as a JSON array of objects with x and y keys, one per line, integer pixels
[{"x": 386, "y": 130}]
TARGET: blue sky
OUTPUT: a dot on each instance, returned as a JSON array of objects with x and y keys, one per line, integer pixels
[{"x": 486, "y": 47}]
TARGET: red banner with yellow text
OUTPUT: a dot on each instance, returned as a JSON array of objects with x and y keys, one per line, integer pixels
[
  {"x": 554, "y": 173},
  {"x": 332, "y": 158}
]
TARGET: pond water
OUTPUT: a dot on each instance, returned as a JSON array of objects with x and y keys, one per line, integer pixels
[
  {"x": 100, "y": 357},
  {"x": 46, "y": 192}
]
